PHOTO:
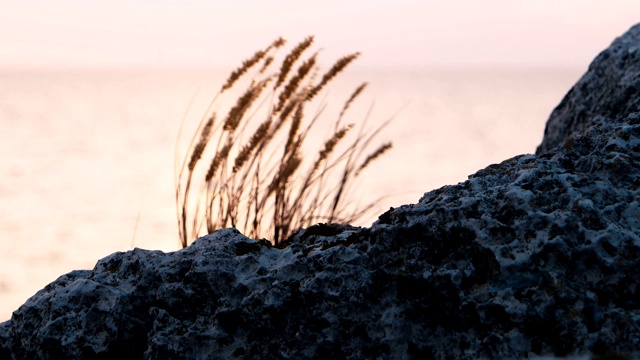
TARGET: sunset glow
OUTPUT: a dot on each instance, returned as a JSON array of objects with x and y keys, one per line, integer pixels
[{"x": 195, "y": 34}]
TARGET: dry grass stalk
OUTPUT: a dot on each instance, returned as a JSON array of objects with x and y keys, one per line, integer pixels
[
  {"x": 337, "y": 68},
  {"x": 246, "y": 151},
  {"x": 183, "y": 186},
  {"x": 331, "y": 143},
  {"x": 260, "y": 184},
  {"x": 249, "y": 63},
  {"x": 295, "y": 81},
  {"x": 267, "y": 62},
  {"x": 284, "y": 115},
  {"x": 291, "y": 59},
  {"x": 352, "y": 98},
  {"x": 243, "y": 104},
  {"x": 374, "y": 155},
  {"x": 204, "y": 140},
  {"x": 295, "y": 126},
  {"x": 287, "y": 170},
  {"x": 220, "y": 156}
]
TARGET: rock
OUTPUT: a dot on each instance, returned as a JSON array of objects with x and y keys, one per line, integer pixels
[
  {"x": 608, "y": 90},
  {"x": 537, "y": 255}
]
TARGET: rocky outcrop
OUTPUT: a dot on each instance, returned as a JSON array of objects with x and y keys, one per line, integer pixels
[
  {"x": 609, "y": 90},
  {"x": 538, "y": 255}
]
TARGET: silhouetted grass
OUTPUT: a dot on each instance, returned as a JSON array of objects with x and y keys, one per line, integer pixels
[{"x": 247, "y": 169}]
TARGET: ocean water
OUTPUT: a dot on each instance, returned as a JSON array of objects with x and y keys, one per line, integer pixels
[{"x": 87, "y": 158}]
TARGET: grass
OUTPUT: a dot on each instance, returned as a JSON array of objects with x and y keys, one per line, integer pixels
[{"x": 247, "y": 168}]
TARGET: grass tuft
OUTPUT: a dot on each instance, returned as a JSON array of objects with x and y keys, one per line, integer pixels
[{"x": 262, "y": 183}]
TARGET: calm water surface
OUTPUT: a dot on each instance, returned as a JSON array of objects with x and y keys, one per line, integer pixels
[{"x": 83, "y": 154}]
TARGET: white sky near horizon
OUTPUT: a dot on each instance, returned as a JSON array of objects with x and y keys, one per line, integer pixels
[{"x": 97, "y": 34}]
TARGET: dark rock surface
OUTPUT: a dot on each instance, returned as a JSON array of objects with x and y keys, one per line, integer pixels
[
  {"x": 609, "y": 89},
  {"x": 538, "y": 255}
]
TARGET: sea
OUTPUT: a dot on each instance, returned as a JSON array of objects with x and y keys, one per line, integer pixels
[{"x": 87, "y": 157}]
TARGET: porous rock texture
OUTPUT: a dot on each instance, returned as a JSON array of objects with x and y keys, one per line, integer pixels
[
  {"x": 537, "y": 255},
  {"x": 610, "y": 89}
]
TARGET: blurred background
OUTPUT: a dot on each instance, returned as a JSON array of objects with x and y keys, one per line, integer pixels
[{"x": 92, "y": 95}]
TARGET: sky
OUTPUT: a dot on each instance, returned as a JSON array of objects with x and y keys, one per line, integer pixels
[{"x": 99, "y": 34}]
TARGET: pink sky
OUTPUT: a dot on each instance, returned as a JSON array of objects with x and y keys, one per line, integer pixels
[{"x": 178, "y": 34}]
